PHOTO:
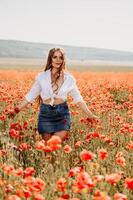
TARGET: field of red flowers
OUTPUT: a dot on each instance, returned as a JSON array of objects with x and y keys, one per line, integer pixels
[{"x": 94, "y": 163}]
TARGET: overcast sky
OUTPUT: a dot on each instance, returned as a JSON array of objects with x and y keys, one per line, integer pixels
[{"x": 93, "y": 23}]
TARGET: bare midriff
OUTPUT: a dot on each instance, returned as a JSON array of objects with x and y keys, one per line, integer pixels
[{"x": 56, "y": 101}]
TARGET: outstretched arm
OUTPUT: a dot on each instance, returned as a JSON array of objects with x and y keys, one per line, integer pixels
[
  {"x": 31, "y": 95},
  {"x": 78, "y": 99},
  {"x": 86, "y": 110},
  {"x": 22, "y": 104}
]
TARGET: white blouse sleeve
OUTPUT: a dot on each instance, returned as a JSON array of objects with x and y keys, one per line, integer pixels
[
  {"x": 34, "y": 91},
  {"x": 75, "y": 93}
]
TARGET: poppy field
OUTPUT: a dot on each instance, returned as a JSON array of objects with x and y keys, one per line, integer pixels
[{"x": 93, "y": 163}]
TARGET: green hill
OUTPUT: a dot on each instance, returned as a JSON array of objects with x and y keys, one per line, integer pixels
[{"x": 22, "y": 49}]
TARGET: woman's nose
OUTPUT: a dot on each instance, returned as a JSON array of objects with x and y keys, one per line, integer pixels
[{"x": 57, "y": 59}]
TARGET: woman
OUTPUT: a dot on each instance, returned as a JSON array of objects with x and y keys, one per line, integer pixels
[{"x": 52, "y": 87}]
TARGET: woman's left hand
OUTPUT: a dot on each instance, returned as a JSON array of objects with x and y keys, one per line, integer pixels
[{"x": 93, "y": 117}]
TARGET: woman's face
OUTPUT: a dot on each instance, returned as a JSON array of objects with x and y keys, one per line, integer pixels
[{"x": 57, "y": 59}]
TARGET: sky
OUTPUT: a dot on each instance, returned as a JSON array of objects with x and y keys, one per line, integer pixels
[{"x": 91, "y": 23}]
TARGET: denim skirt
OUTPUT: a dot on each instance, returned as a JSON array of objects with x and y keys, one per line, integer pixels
[{"x": 53, "y": 118}]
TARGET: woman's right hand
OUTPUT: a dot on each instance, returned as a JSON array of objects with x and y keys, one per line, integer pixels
[{"x": 13, "y": 113}]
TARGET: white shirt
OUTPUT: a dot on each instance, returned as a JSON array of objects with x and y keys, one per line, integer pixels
[{"x": 42, "y": 86}]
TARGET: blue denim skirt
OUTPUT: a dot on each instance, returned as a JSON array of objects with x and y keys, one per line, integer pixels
[{"x": 53, "y": 118}]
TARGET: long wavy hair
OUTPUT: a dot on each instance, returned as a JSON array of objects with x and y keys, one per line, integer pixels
[{"x": 49, "y": 66}]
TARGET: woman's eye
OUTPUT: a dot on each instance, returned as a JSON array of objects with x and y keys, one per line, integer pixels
[
  {"x": 58, "y": 57},
  {"x": 54, "y": 56}
]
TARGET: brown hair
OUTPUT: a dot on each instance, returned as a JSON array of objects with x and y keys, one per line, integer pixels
[{"x": 49, "y": 66}]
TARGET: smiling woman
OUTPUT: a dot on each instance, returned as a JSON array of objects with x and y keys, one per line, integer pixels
[{"x": 51, "y": 87}]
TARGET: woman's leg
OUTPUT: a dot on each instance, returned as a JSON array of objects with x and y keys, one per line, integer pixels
[
  {"x": 46, "y": 136},
  {"x": 62, "y": 134}
]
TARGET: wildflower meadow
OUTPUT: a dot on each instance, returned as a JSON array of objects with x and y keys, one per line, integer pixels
[{"x": 93, "y": 163}]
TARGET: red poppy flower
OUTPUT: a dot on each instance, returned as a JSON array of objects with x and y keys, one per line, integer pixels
[
  {"x": 102, "y": 154},
  {"x": 87, "y": 155},
  {"x": 67, "y": 148},
  {"x": 54, "y": 142},
  {"x": 61, "y": 184},
  {"x": 129, "y": 183}
]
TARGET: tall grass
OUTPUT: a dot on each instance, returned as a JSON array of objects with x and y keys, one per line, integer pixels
[{"x": 96, "y": 164}]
